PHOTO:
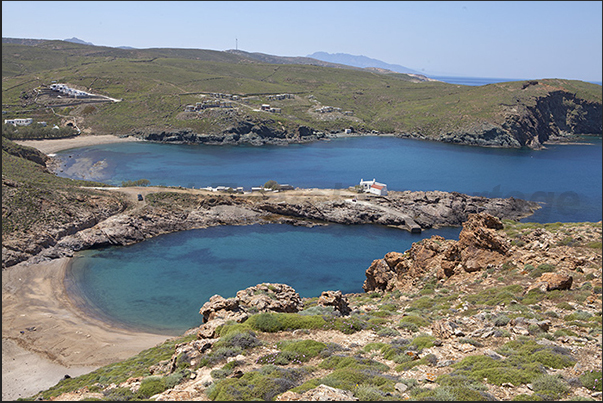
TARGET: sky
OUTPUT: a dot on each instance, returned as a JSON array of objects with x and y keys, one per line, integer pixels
[{"x": 494, "y": 39}]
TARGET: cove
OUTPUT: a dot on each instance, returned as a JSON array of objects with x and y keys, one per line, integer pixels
[
  {"x": 159, "y": 285},
  {"x": 565, "y": 178}
]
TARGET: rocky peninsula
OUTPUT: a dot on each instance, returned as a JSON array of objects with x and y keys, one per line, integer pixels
[{"x": 166, "y": 210}]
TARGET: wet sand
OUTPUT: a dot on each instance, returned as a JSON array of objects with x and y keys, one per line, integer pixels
[{"x": 45, "y": 336}]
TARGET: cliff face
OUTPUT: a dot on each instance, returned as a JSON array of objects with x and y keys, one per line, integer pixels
[
  {"x": 558, "y": 115},
  {"x": 244, "y": 132}
]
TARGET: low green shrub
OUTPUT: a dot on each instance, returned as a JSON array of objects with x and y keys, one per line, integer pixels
[
  {"x": 527, "y": 398},
  {"x": 150, "y": 386},
  {"x": 423, "y": 341},
  {"x": 411, "y": 327},
  {"x": 450, "y": 394},
  {"x": 370, "y": 393},
  {"x": 501, "y": 320},
  {"x": 577, "y": 315},
  {"x": 523, "y": 363},
  {"x": 591, "y": 380},
  {"x": 416, "y": 320},
  {"x": 253, "y": 385},
  {"x": 387, "y": 332},
  {"x": 550, "y": 387},
  {"x": 270, "y": 322}
]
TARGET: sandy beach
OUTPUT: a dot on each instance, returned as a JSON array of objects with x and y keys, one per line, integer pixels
[
  {"x": 52, "y": 146},
  {"x": 44, "y": 335}
]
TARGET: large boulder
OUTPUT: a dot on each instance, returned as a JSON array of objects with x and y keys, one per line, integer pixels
[{"x": 263, "y": 297}]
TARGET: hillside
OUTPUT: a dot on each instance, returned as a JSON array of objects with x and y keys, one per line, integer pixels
[
  {"x": 360, "y": 61},
  {"x": 154, "y": 86},
  {"x": 518, "y": 318}
]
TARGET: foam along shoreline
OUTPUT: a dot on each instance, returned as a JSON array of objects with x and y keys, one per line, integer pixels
[
  {"x": 50, "y": 146},
  {"x": 45, "y": 336}
]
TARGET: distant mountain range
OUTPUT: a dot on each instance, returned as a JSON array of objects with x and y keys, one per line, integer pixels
[
  {"x": 76, "y": 40},
  {"x": 81, "y": 42},
  {"x": 361, "y": 61}
]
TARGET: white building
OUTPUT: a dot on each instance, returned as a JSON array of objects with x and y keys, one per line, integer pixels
[
  {"x": 380, "y": 189},
  {"x": 18, "y": 122}
]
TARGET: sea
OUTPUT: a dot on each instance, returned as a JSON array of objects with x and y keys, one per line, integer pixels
[{"x": 160, "y": 284}]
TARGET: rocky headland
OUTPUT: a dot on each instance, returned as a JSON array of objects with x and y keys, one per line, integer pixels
[
  {"x": 169, "y": 210},
  {"x": 559, "y": 116},
  {"x": 510, "y": 311}
]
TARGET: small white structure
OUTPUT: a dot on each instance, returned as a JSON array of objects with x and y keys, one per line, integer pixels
[
  {"x": 18, "y": 122},
  {"x": 374, "y": 187}
]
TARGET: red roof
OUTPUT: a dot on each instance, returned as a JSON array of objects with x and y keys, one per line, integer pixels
[{"x": 377, "y": 186}]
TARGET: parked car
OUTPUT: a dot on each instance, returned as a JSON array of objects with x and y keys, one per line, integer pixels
[{"x": 140, "y": 197}]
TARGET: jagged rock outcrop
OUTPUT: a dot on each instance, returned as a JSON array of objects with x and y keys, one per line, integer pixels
[
  {"x": 482, "y": 245},
  {"x": 252, "y": 132},
  {"x": 29, "y": 153},
  {"x": 265, "y": 297}
]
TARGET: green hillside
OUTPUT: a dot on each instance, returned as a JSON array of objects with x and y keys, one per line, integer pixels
[{"x": 155, "y": 85}]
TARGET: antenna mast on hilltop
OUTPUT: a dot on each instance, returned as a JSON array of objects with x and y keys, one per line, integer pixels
[{"x": 236, "y": 44}]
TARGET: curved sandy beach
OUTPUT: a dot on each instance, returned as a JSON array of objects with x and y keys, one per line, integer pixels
[
  {"x": 44, "y": 335},
  {"x": 54, "y": 145}
]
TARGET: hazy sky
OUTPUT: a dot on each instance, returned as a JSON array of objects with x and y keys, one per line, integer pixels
[{"x": 500, "y": 39}]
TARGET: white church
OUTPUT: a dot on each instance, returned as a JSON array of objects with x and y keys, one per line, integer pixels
[{"x": 380, "y": 189}]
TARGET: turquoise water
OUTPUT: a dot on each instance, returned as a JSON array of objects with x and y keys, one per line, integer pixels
[{"x": 159, "y": 285}]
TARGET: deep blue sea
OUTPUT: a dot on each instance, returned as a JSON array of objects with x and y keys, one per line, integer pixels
[{"x": 159, "y": 285}]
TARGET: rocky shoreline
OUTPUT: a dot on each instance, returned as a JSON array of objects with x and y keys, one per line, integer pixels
[
  {"x": 558, "y": 115},
  {"x": 170, "y": 210},
  {"x": 507, "y": 312}
]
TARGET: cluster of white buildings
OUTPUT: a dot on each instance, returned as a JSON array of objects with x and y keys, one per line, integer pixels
[
  {"x": 19, "y": 122},
  {"x": 374, "y": 187},
  {"x": 66, "y": 90},
  {"x": 240, "y": 189}
]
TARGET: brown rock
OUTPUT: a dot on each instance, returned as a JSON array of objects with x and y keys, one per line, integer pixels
[
  {"x": 479, "y": 231},
  {"x": 393, "y": 258},
  {"x": 217, "y": 303},
  {"x": 335, "y": 299},
  {"x": 443, "y": 328},
  {"x": 378, "y": 276},
  {"x": 270, "y": 297},
  {"x": 557, "y": 281}
]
